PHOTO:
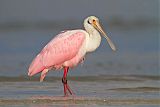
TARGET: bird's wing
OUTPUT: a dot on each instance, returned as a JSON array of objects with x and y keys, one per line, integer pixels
[
  {"x": 60, "y": 49},
  {"x": 64, "y": 47}
]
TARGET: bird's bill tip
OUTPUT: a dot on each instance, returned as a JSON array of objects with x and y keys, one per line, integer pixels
[{"x": 111, "y": 45}]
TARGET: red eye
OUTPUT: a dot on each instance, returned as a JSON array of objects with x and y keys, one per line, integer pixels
[{"x": 94, "y": 20}]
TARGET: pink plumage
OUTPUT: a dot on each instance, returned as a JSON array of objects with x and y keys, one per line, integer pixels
[{"x": 63, "y": 49}]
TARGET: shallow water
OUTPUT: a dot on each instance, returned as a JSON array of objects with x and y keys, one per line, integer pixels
[
  {"x": 137, "y": 52},
  {"x": 103, "y": 90}
]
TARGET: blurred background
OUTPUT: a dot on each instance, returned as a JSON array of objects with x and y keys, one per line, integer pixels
[
  {"x": 26, "y": 26},
  {"x": 132, "y": 72}
]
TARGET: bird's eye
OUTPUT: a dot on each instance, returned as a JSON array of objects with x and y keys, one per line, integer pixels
[
  {"x": 89, "y": 22},
  {"x": 93, "y": 20}
]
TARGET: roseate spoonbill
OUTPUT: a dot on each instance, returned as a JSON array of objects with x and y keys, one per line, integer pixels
[{"x": 68, "y": 49}]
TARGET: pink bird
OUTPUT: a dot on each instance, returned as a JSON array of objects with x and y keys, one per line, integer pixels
[{"x": 68, "y": 49}]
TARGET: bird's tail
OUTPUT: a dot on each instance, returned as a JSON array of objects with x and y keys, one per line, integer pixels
[{"x": 36, "y": 66}]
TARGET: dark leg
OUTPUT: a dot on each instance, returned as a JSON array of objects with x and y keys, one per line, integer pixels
[{"x": 64, "y": 81}]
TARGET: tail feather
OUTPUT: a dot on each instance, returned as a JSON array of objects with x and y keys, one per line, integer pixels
[{"x": 36, "y": 66}]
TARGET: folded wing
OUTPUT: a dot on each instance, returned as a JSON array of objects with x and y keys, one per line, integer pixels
[{"x": 60, "y": 49}]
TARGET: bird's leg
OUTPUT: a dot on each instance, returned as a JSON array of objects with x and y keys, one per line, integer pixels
[
  {"x": 64, "y": 81},
  {"x": 69, "y": 90},
  {"x": 43, "y": 74}
]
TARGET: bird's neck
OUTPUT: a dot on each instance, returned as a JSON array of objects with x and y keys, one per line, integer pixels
[{"x": 93, "y": 41}]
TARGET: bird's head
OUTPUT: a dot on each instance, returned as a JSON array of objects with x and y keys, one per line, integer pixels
[{"x": 91, "y": 23}]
